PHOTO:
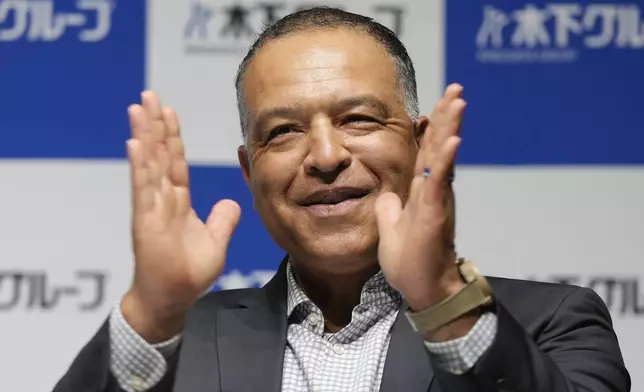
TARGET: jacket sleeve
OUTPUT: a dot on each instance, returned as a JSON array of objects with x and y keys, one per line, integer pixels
[
  {"x": 90, "y": 370},
  {"x": 577, "y": 351}
]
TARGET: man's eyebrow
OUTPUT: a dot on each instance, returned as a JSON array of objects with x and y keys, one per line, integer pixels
[
  {"x": 368, "y": 100},
  {"x": 279, "y": 111}
]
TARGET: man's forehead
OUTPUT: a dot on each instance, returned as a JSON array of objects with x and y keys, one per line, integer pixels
[
  {"x": 319, "y": 60},
  {"x": 319, "y": 49}
]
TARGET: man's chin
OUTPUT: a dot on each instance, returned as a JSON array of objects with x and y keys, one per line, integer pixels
[{"x": 342, "y": 248}]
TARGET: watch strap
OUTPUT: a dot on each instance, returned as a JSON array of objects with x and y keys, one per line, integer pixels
[{"x": 475, "y": 294}]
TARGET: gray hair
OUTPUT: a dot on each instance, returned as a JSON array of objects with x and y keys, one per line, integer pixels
[{"x": 328, "y": 18}]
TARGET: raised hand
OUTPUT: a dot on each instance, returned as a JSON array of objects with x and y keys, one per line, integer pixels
[
  {"x": 177, "y": 256},
  {"x": 416, "y": 249}
]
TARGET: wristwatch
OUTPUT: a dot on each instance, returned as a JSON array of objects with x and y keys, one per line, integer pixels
[{"x": 477, "y": 293}]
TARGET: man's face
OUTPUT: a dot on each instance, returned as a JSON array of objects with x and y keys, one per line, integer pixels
[{"x": 328, "y": 133}]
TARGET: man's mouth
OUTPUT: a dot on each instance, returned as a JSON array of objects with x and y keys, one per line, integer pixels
[
  {"x": 331, "y": 196},
  {"x": 337, "y": 201}
]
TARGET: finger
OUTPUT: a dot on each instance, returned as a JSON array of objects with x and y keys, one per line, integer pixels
[
  {"x": 152, "y": 107},
  {"x": 448, "y": 125},
  {"x": 142, "y": 192},
  {"x": 416, "y": 190},
  {"x": 453, "y": 91},
  {"x": 167, "y": 201},
  {"x": 179, "y": 174},
  {"x": 446, "y": 159},
  {"x": 440, "y": 123},
  {"x": 140, "y": 129},
  {"x": 171, "y": 121},
  {"x": 454, "y": 117},
  {"x": 426, "y": 152},
  {"x": 222, "y": 221},
  {"x": 388, "y": 209},
  {"x": 437, "y": 182},
  {"x": 183, "y": 202},
  {"x": 158, "y": 131},
  {"x": 139, "y": 126},
  {"x": 436, "y": 200},
  {"x": 448, "y": 115}
]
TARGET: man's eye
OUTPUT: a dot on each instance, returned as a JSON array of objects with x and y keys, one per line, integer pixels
[
  {"x": 282, "y": 129},
  {"x": 358, "y": 118}
]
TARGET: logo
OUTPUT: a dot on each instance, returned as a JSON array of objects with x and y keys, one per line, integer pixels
[
  {"x": 237, "y": 280},
  {"x": 623, "y": 295},
  {"x": 32, "y": 290},
  {"x": 232, "y": 29},
  {"x": 557, "y": 32},
  {"x": 37, "y": 20}
]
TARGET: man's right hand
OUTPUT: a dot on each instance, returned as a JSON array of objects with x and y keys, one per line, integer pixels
[{"x": 178, "y": 257}]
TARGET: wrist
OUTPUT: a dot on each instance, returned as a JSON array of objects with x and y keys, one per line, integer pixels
[
  {"x": 153, "y": 324},
  {"x": 433, "y": 294},
  {"x": 456, "y": 328},
  {"x": 458, "y": 309}
]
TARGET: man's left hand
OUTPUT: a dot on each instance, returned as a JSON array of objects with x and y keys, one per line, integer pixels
[{"x": 416, "y": 250}]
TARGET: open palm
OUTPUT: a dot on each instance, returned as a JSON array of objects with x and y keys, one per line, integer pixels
[
  {"x": 178, "y": 256},
  {"x": 416, "y": 240}
]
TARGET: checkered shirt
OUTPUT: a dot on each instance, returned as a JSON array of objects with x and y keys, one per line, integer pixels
[{"x": 351, "y": 359}]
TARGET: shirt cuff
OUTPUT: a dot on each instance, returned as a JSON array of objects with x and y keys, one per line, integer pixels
[
  {"x": 137, "y": 365},
  {"x": 460, "y": 355}
]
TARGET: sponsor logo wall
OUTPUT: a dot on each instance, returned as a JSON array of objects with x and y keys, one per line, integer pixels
[
  {"x": 34, "y": 290},
  {"x": 550, "y": 180}
]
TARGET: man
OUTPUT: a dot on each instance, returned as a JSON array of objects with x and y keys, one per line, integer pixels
[{"x": 356, "y": 188}]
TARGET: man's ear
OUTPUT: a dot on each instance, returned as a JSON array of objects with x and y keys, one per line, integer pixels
[
  {"x": 242, "y": 155},
  {"x": 244, "y": 163},
  {"x": 420, "y": 127}
]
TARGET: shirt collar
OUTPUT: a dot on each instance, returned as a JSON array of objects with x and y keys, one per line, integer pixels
[{"x": 376, "y": 290}]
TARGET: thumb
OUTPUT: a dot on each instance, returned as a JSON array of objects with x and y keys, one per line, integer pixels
[
  {"x": 388, "y": 210},
  {"x": 223, "y": 220}
]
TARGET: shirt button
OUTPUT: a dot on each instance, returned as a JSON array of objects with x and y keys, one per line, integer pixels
[
  {"x": 338, "y": 349},
  {"x": 314, "y": 319}
]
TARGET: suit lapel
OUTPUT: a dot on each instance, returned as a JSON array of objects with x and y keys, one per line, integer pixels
[
  {"x": 245, "y": 340},
  {"x": 251, "y": 350},
  {"x": 251, "y": 340},
  {"x": 407, "y": 367}
]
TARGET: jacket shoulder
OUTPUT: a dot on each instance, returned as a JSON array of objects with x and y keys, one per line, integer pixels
[
  {"x": 533, "y": 303},
  {"x": 527, "y": 289}
]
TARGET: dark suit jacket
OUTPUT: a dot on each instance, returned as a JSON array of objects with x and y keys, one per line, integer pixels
[{"x": 550, "y": 338}]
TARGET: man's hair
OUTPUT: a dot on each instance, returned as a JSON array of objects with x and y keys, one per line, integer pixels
[{"x": 332, "y": 18}]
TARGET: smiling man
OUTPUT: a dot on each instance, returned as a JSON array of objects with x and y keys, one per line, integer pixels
[{"x": 355, "y": 186}]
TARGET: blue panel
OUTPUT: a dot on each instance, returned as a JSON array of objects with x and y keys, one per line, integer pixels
[
  {"x": 251, "y": 247},
  {"x": 65, "y": 91},
  {"x": 566, "y": 91}
]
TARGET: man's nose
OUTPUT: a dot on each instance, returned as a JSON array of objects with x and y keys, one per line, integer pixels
[{"x": 327, "y": 155}]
